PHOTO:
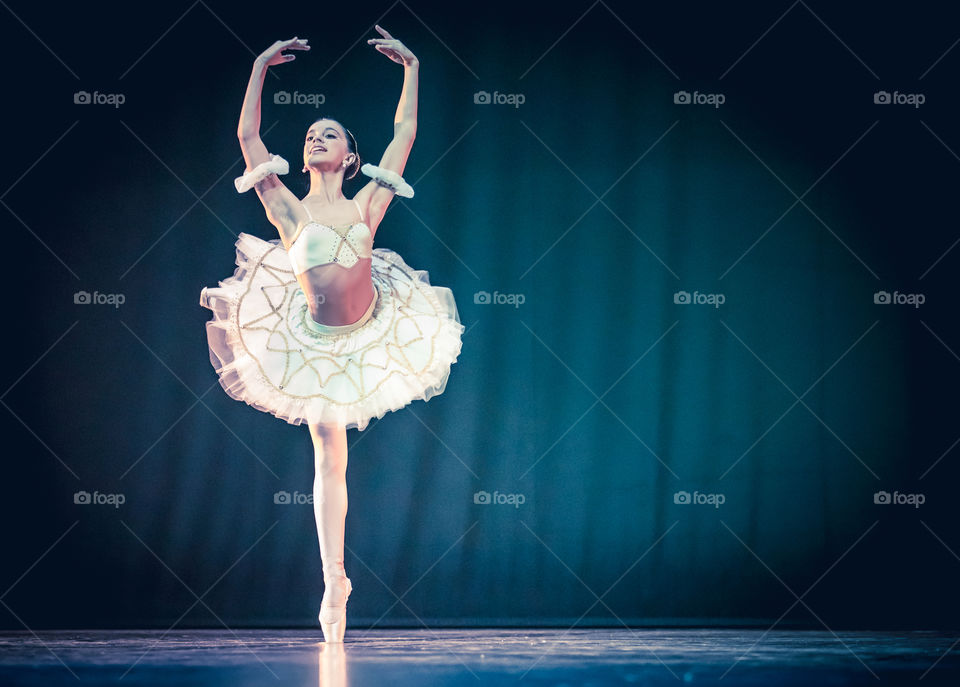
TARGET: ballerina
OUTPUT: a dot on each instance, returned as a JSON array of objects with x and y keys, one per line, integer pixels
[{"x": 317, "y": 326}]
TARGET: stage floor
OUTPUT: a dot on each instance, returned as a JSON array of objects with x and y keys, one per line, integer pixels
[{"x": 729, "y": 657}]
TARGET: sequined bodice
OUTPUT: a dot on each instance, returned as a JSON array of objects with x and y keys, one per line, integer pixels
[{"x": 321, "y": 244}]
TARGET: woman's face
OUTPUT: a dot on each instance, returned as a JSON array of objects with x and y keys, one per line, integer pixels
[{"x": 326, "y": 142}]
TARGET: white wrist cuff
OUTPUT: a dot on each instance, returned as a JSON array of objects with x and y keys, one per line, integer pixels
[
  {"x": 275, "y": 165},
  {"x": 389, "y": 179}
]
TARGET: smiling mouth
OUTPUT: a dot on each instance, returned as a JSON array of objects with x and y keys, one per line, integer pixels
[{"x": 318, "y": 150}]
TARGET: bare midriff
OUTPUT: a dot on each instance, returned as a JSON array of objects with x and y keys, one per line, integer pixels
[{"x": 338, "y": 295}]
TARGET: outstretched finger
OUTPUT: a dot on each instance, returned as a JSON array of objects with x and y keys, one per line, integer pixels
[{"x": 382, "y": 30}]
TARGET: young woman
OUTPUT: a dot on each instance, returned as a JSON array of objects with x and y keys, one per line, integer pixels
[{"x": 318, "y": 327}]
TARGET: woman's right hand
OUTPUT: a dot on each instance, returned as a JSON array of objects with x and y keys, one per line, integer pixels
[{"x": 274, "y": 55}]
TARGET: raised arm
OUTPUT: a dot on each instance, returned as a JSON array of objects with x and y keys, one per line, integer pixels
[
  {"x": 373, "y": 195},
  {"x": 278, "y": 201},
  {"x": 405, "y": 121}
]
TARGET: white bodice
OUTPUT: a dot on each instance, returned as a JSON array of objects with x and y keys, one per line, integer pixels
[{"x": 321, "y": 244}]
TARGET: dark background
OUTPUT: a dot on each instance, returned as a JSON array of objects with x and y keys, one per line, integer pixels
[{"x": 597, "y": 399}]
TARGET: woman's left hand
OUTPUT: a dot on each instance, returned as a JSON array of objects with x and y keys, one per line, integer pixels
[{"x": 393, "y": 48}]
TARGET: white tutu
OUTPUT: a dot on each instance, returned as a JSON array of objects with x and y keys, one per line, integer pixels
[{"x": 267, "y": 354}]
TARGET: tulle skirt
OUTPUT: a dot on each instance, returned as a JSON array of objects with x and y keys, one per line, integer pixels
[{"x": 269, "y": 352}]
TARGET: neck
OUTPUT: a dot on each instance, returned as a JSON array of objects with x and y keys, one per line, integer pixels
[{"x": 327, "y": 185}]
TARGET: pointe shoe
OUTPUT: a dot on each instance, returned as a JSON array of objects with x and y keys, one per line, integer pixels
[{"x": 333, "y": 617}]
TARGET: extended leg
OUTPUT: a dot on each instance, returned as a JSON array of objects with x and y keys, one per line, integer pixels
[{"x": 330, "y": 510}]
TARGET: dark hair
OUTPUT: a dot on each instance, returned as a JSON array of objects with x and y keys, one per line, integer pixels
[{"x": 352, "y": 170}]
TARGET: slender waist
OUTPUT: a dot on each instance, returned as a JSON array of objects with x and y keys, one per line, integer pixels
[{"x": 335, "y": 329}]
